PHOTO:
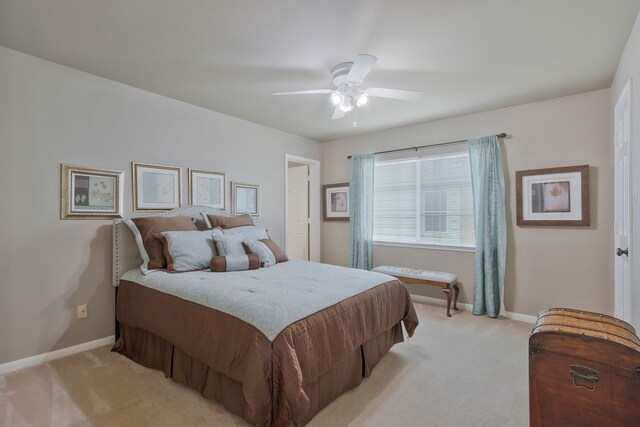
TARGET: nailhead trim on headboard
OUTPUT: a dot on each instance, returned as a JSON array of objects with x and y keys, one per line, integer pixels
[{"x": 125, "y": 251}]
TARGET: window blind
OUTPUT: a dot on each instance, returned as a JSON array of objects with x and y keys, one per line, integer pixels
[{"x": 425, "y": 200}]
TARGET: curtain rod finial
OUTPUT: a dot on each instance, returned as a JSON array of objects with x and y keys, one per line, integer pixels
[{"x": 502, "y": 135}]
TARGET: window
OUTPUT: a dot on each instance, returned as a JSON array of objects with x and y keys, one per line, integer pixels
[
  {"x": 434, "y": 206},
  {"x": 425, "y": 200}
]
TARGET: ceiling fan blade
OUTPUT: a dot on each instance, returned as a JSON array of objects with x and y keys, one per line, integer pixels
[
  {"x": 305, "y": 92},
  {"x": 338, "y": 113},
  {"x": 405, "y": 95},
  {"x": 361, "y": 67}
]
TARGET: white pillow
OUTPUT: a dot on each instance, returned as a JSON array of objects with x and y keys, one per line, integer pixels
[
  {"x": 228, "y": 244},
  {"x": 143, "y": 251},
  {"x": 248, "y": 232},
  {"x": 188, "y": 250},
  {"x": 205, "y": 219}
]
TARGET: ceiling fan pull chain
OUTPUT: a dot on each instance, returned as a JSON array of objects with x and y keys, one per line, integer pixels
[{"x": 355, "y": 124}]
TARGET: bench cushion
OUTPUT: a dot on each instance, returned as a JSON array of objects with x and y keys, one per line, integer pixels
[{"x": 435, "y": 276}]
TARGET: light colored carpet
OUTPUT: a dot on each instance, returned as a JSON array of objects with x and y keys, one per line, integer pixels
[{"x": 459, "y": 371}]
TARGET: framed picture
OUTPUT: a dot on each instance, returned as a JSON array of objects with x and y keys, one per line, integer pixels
[
  {"x": 555, "y": 196},
  {"x": 335, "y": 202},
  {"x": 90, "y": 193},
  {"x": 156, "y": 187},
  {"x": 207, "y": 188},
  {"x": 246, "y": 199}
]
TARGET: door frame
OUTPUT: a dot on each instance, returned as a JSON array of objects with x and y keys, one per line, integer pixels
[
  {"x": 315, "y": 211},
  {"x": 624, "y": 292}
]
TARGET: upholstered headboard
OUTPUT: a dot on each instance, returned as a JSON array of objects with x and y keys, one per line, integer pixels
[{"x": 125, "y": 251}]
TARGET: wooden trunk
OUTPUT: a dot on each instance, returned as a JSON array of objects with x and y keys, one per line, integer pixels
[{"x": 584, "y": 370}]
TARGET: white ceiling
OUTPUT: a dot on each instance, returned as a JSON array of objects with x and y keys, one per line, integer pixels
[{"x": 229, "y": 56}]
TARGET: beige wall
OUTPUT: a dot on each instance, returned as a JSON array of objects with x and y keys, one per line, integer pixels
[
  {"x": 50, "y": 115},
  {"x": 629, "y": 68},
  {"x": 546, "y": 266}
]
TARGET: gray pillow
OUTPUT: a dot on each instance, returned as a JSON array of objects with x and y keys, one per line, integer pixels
[
  {"x": 188, "y": 250},
  {"x": 228, "y": 244},
  {"x": 248, "y": 232},
  {"x": 266, "y": 256}
]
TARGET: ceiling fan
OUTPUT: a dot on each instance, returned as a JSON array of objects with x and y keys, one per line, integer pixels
[{"x": 347, "y": 76}]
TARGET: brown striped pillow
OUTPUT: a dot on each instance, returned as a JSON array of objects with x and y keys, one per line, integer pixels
[{"x": 221, "y": 264}]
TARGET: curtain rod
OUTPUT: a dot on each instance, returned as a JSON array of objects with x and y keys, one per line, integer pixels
[{"x": 499, "y": 135}]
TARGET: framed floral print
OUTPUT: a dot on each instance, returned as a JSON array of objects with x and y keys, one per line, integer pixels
[
  {"x": 335, "y": 202},
  {"x": 90, "y": 193},
  {"x": 553, "y": 196}
]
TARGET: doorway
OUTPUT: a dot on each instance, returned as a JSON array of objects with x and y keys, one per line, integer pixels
[
  {"x": 302, "y": 208},
  {"x": 624, "y": 292}
]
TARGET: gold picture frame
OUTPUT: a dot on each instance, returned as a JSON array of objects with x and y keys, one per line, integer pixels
[
  {"x": 245, "y": 199},
  {"x": 207, "y": 188},
  {"x": 156, "y": 187},
  {"x": 90, "y": 193}
]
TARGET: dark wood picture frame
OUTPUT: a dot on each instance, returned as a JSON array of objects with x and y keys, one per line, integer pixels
[
  {"x": 328, "y": 215},
  {"x": 523, "y": 197}
]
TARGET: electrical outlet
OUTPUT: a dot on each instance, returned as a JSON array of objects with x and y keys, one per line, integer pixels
[{"x": 82, "y": 311}]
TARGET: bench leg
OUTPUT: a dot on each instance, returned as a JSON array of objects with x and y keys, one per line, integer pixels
[
  {"x": 456, "y": 291},
  {"x": 447, "y": 292}
]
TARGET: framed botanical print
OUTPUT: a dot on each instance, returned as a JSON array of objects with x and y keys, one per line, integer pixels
[
  {"x": 90, "y": 193},
  {"x": 335, "y": 202},
  {"x": 207, "y": 188},
  {"x": 156, "y": 187},
  {"x": 246, "y": 199},
  {"x": 553, "y": 196}
]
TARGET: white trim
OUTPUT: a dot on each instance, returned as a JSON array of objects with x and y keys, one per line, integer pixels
[
  {"x": 526, "y": 318},
  {"x": 623, "y": 290},
  {"x": 28, "y": 362},
  {"x": 315, "y": 214},
  {"x": 420, "y": 245}
]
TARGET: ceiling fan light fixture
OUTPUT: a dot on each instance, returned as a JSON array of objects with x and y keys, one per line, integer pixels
[
  {"x": 347, "y": 104},
  {"x": 336, "y": 98},
  {"x": 362, "y": 99},
  {"x": 346, "y": 94}
]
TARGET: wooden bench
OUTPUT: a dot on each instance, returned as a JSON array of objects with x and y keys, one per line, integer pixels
[{"x": 445, "y": 281}]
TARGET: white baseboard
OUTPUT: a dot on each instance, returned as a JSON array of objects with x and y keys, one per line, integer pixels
[
  {"x": 468, "y": 307},
  {"x": 28, "y": 362},
  {"x": 64, "y": 352}
]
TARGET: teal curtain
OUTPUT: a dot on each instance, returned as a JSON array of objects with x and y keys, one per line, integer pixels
[
  {"x": 361, "y": 210},
  {"x": 491, "y": 225}
]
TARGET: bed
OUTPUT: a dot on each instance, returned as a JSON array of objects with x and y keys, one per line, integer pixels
[{"x": 274, "y": 345}]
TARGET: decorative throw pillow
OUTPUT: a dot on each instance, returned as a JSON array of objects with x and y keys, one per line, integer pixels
[
  {"x": 267, "y": 258},
  {"x": 249, "y": 232},
  {"x": 145, "y": 229},
  {"x": 277, "y": 252},
  {"x": 187, "y": 250},
  {"x": 228, "y": 244},
  {"x": 235, "y": 263},
  {"x": 230, "y": 221}
]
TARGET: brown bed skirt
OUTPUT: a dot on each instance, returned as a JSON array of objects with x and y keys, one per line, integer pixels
[
  {"x": 278, "y": 381},
  {"x": 150, "y": 350}
]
